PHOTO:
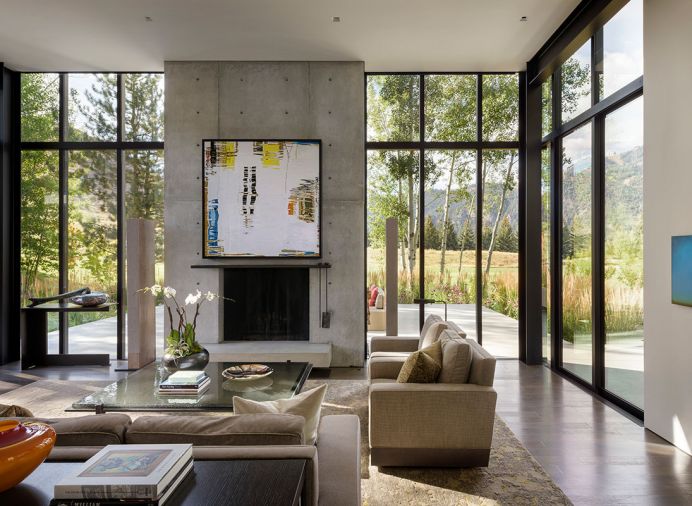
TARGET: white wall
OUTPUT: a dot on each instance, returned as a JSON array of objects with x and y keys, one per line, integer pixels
[{"x": 667, "y": 212}]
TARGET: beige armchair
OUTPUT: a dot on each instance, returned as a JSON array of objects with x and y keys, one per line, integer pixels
[{"x": 432, "y": 424}]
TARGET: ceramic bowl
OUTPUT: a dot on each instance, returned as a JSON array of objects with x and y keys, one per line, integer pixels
[
  {"x": 90, "y": 299},
  {"x": 23, "y": 447}
]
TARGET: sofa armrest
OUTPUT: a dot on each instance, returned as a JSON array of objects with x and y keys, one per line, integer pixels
[
  {"x": 338, "y": 449},
  {"x": 431, "y": 415},
  {"x": 394, "y": 343},
  {"x": 385, "y": 367}
]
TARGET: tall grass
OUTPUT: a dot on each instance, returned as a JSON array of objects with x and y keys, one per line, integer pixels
[{"x": 624, "y": 301}]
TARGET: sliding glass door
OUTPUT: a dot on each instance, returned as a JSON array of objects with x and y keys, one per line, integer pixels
[{"x": 592, "y": 215}]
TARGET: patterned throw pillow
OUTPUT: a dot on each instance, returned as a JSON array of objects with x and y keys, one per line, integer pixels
[
  {"x": 14, "y": 411},
  {"x": 422, "y": 366}
]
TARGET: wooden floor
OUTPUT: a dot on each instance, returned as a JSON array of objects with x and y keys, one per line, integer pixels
[{"x": 597, "y": 455}]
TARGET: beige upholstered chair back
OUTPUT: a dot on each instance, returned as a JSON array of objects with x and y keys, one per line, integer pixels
[
  {"x": 456, "y": 328},
  {"x": 482, "y": 365}
]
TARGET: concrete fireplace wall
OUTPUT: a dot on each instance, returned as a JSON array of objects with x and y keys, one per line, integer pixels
[{"x": 293, "y": 100}]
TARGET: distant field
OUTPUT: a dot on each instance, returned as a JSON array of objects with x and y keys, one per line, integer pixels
[{"x": 501, "y": 260}]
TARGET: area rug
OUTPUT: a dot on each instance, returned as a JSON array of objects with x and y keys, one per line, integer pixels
[{"x": 513, "y": 476}]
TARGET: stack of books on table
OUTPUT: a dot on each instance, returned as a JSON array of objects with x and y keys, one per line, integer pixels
[
  {"x": 126, "y": 474},
  {"x": 185, "y": 383}
]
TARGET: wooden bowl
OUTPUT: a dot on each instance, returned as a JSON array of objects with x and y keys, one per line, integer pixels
[{"x": 23, "y": 447}]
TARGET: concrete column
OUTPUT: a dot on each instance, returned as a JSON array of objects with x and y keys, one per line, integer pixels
[
  {"x": 141, "y": 317},
  {"x": 392, "y": 276}
]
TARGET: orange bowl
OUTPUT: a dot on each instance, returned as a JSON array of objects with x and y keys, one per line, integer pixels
[{"x": 23, "y": 446}]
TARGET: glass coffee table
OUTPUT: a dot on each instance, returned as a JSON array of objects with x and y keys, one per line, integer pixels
[{"x": 139, "y": 391}]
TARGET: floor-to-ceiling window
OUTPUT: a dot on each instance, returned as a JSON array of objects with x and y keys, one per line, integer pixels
[
  {"x": 592, "y": 193},
  {"x": 91, "y": 157},
  {"x": 443, "y": 158}
]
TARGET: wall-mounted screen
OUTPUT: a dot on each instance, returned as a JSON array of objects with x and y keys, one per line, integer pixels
[
  {"x": 681, "y": 270},
  {"x": 261, "y": 198}
]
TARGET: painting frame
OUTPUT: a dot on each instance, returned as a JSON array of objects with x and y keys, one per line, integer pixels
[{"x": 205, "y": 216}]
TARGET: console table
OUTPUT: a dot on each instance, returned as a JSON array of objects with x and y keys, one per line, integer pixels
[
  {"x": 34, "y": 334},
  {"x": 228, "y": 482}
]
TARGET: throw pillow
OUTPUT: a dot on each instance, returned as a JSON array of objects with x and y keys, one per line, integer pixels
[
  {"x": 433, "y": 334},
  {"x": 307, "y": 404},
  {"x": 422, "y": 366},
  {"x": 373, "y": 295},
  {"x": 456, "y": 360},
  {"x": 14, "y": 411}
]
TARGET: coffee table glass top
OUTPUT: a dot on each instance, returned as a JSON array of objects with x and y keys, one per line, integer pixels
[{"x": 139, "y": 391}]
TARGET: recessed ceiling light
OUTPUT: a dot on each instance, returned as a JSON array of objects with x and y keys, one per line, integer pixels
[
  {"x": 336, "y": 19},
  {"x": 523, "y": 18},
  {"x": 148, "y": 19}
]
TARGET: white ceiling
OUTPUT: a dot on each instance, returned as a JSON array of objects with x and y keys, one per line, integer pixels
[{"x": 394, "y": 35}]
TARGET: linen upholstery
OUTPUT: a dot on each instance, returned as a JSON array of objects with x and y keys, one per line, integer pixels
[
  {"x": 482, "y": 365},
  {"x": 91, "y": 430},
  {"x": 261, "y": 429},
  {"x": 422, "y": 366},
  {"x": 456, "y": 328},
  {"x": 406, "y": 344},
  {"x": 432, "y": 334},
  {"x": 306, "y": 404},
  {"x": 456, "y": 359},
  {"x": 455, "y": 415},
  {"x": 387, "y": 366},
  {"x": 338, "y": 446},
  {"x": 433, "y": 318}
]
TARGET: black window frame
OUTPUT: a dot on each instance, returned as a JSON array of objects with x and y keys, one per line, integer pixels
[
  {"x": 63, "y": 146},
  {"x": 585, "y": 23},
  {"x": 478, "y": 145}
]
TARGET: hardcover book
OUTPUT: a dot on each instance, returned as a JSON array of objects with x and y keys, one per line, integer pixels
[{"x": 127, "y": 472}]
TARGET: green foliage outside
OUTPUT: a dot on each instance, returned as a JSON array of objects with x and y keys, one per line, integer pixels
[{"x": 92, "y": 175}]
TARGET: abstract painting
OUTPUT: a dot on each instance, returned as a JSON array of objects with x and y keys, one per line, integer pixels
[
  {"x": 261, "y": 198},
  {"x": 681, "y": 263}
]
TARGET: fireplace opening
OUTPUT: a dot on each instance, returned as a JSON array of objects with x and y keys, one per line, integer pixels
[{"x": 271, "y": 304}]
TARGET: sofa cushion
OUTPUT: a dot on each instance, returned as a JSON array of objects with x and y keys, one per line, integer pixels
[
  {"x": 91, "y": 430},
  {"x": 307, "y": 404},
  {"x": 433, "y": 318},
  {"x": 422, "y": 366},
  {"x": 456, "y": 328},
  {"x": 456, "y": 359},
  {"x": 433, "y": 334},
  {"x": 482, "y": 365},
  {"x": 240, "y": 430}
]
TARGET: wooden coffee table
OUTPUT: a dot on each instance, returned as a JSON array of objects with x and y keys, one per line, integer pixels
[
  {"x": 139, "y": 391},
  {"x": 228, "y": 482}
]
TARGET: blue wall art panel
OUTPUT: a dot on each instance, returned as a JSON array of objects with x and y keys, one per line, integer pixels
[{"x": 682, "y": 269}]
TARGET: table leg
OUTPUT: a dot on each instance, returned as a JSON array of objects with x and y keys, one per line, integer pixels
[{"x": 34, "y": 336}]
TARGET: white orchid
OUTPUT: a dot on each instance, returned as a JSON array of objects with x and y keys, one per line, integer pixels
[
  {"x": 182, "y": 340},
  {"x": 191, "y": 299}
]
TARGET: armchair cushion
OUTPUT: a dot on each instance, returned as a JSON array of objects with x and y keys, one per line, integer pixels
[
  {"x": 432, "y": 334},
  {"x": 422, "y": 366},
  {"x": 433, "y": 318},
  {"x": 456, "y": 359},
  {"x": 482, "y": 365}
]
